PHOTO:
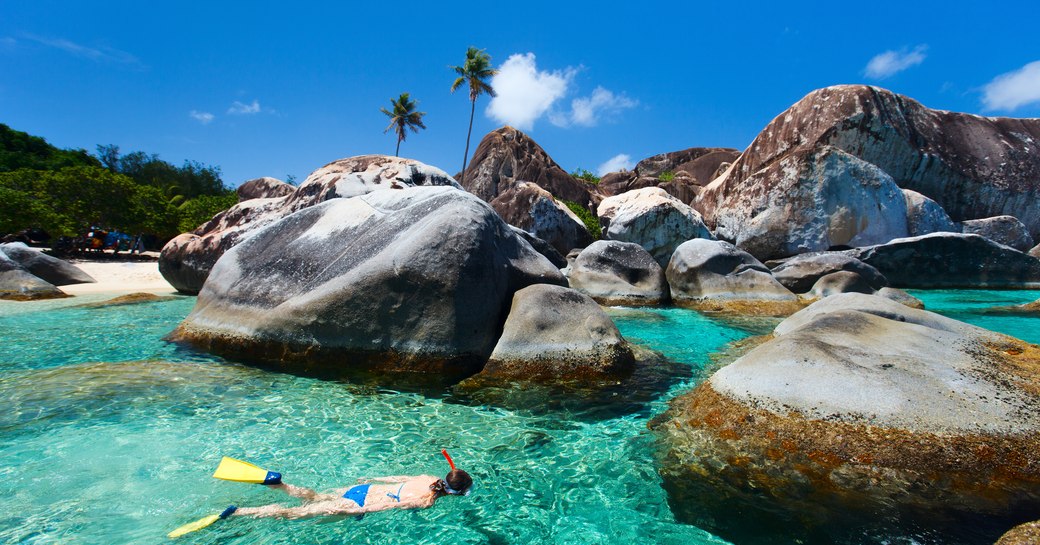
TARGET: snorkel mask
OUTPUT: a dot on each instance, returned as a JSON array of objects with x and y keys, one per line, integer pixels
[{"x": 447, "y": 487}]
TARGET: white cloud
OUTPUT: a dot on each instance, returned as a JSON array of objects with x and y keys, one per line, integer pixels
[
  {"x": 97, "y": 54},
  {"x": 1014, "y": 89},
  {"x": 587, "y": 111},
  {"x": 889, "y": 63},
  {"x": 524, "y": 92},
  {"x": 237, "y": 108},
  {"x": 201, "y": 117},
  {"x": 621, "y": 161}
]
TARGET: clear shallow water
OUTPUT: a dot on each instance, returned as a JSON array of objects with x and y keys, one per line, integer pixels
[{"x": 109, "y": 435}]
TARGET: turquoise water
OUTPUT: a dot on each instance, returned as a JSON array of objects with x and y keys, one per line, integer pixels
[{"x": 108, "y": 434}]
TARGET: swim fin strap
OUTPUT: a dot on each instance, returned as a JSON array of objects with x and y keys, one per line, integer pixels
[{"x": 231, "y": 469}]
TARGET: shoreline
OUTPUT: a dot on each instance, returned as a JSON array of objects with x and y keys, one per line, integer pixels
[{"x": 120, "y": 277}]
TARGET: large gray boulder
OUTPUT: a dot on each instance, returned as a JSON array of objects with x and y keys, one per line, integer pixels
[
  {"x": 1006, "y": 230},
  {"x": 841, "y": 282},
  {"x": 713, "y": 274},
  {"x": 951, "y": 260},
  {"x": 186, "y": 260},
  {"x": 808, "y": 201},
  {"x": 799, "y": 273},
  {"x": 924, "y": 216},
  {"x": 974, "y": 167},
  {"x": 415, "y": 280},
  {"x": 653, "y": 219},
  {"x": 533, "y": 209},
  {"x": 555, "y": 332},
  {"x": 49, "y": 269},
  {"x": 18, "y": 284},
  {"x": 263, "y": 188},
  {"x": 619, "y": 273},
  {"x": 857, "y": 410}
]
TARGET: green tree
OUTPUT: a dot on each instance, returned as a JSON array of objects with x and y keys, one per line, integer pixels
[
  {"x": 201, "y": 209},
  {"x": 474, "y": 72},
  {"x": 403, "y": 116},
  {"x": 22, "y": 150}
]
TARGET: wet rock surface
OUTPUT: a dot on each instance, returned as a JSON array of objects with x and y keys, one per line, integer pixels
[
  {"x": 860, "y": 413},
  {"x": 411, "y": 281},
  {"x": 619, "y": 273}
]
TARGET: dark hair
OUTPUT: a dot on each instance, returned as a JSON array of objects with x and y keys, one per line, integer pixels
[{"x": 459, "y": 480}]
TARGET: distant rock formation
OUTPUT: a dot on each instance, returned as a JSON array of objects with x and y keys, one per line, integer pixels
[
  {"x": 690, "y": 170},
  {"x": 186, "y": 260},
  {"x": 506, "y": 156},
  {"x": 416, "y": 280},
  {"x": 950, "y": 260},
  {"x": 859, "y": 410},
  {"x": 533, "y": 209},
  {"x": 619, "y": 273},
  {"x": 974, "y": 167},
  {"x": 1006, "y": 230},
  {"x": 653, "y": 219},
  {"x": 263, "y": 188}
]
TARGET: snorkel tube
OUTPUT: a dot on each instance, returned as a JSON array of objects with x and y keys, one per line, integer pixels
[{"x": 448, "y": 458}]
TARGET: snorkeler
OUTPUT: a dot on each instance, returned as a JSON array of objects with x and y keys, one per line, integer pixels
[{"x": 370, "y": 495}]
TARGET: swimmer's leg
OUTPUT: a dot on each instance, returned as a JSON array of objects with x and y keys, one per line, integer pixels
[
  {"x": 316, "y": 509},
  {"x": 305, "y": 494}
]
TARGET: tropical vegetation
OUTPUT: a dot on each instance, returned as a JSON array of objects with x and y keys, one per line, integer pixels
[
  {"x": 587, "y": 217},
  {"x": 474, "y": 73},
  {"x": 403, "y": 116},
  {"x": 585, "y": 176}
]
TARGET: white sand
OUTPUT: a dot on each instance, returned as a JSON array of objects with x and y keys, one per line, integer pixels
[{"x": 120, "y": 277}]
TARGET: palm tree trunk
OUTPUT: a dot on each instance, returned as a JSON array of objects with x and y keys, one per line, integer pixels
[
  {"x": 465, "y": 156},
  {"x": 397, "y": 152}
]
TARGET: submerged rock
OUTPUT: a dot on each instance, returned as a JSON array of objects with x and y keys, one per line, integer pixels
[
  {"x": 128, "y": 299},
  {"x": 618, "y": 273},
  {"x": 49, "y": 269},
  {"x": 950, "y": 260},
  {"x": 186, "y": 260},
  {"x": 653, "y": 219},
  {"x": 1006, "y": 230},
  {"x": 800, "y": 273},
  {"x": 715, "y": 275},
  {"x": 860, "y": 411},
  {"x": 416, "y": 280},
  {"x": 554, "y": 332},
  {"x": 533, "y": 209}
]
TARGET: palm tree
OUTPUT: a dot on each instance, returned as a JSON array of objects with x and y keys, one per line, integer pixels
[
  {"x": 403, "y": 117},
  {"x": 475, "y": 72}
]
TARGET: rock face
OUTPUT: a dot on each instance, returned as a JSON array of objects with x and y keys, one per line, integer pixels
[
  {"x": 1006, "y": 230},
  {"x": 49, "y": 269},
  {"x": 263, "y": 188},
  {"x": 556, "y": 332},
  {"x": 506, "y": 156},
  {"x": 809, "y": 200},
  {"x": 18, "y": 284},
  {"x": 186, "y": 260},
  {"x": 859, "y": 410},
  {"x": 974, "y": 167},
  {"x": 691, "y": 169},
  {"x": 415, "y": 280},
  {"x": 533, "y": 209},
  {"x": 619, "y": 273},
  {"x": 708, "y": 272},
  {"x": 924, "y": 216},
  {"x": 1023, "y": 534},
  {"x": 1035, "y": 252},
  {"x": 541, "y": 247},
  {"x": 950, "y": 260},
  {"x": 800, "y": 273},
  {"x": 653, "y": 219}
]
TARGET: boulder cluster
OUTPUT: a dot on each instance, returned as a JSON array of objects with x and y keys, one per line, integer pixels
[{"x": 28, "y": 274}]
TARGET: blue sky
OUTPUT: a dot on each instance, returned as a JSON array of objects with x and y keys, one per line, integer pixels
[{"x": 278, "y": 88}]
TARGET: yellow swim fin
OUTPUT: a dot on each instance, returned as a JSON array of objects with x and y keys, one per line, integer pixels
[
  {"x": 201, "y": 523},
  {"x": 231, "y": 469}
]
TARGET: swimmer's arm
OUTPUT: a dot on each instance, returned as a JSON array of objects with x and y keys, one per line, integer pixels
[{"x": 389, "y": 479}]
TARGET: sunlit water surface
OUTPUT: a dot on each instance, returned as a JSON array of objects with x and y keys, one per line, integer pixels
[{"x": 108, "y": 434}]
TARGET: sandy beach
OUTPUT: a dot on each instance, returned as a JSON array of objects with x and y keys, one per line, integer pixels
[{"x": 120, "y": 277}]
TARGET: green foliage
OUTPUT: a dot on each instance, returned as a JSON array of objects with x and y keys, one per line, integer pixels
[
  {"x": 190, "y": 180},
  {"x": 666, "y": 176},
  {"x": 199, "y": 210},
  {"x": 21, "y": 150},
  {"x": 582, "y": 174},
  {"x": 587, "y": 217},
  {"x": 403, "y": 116}
]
